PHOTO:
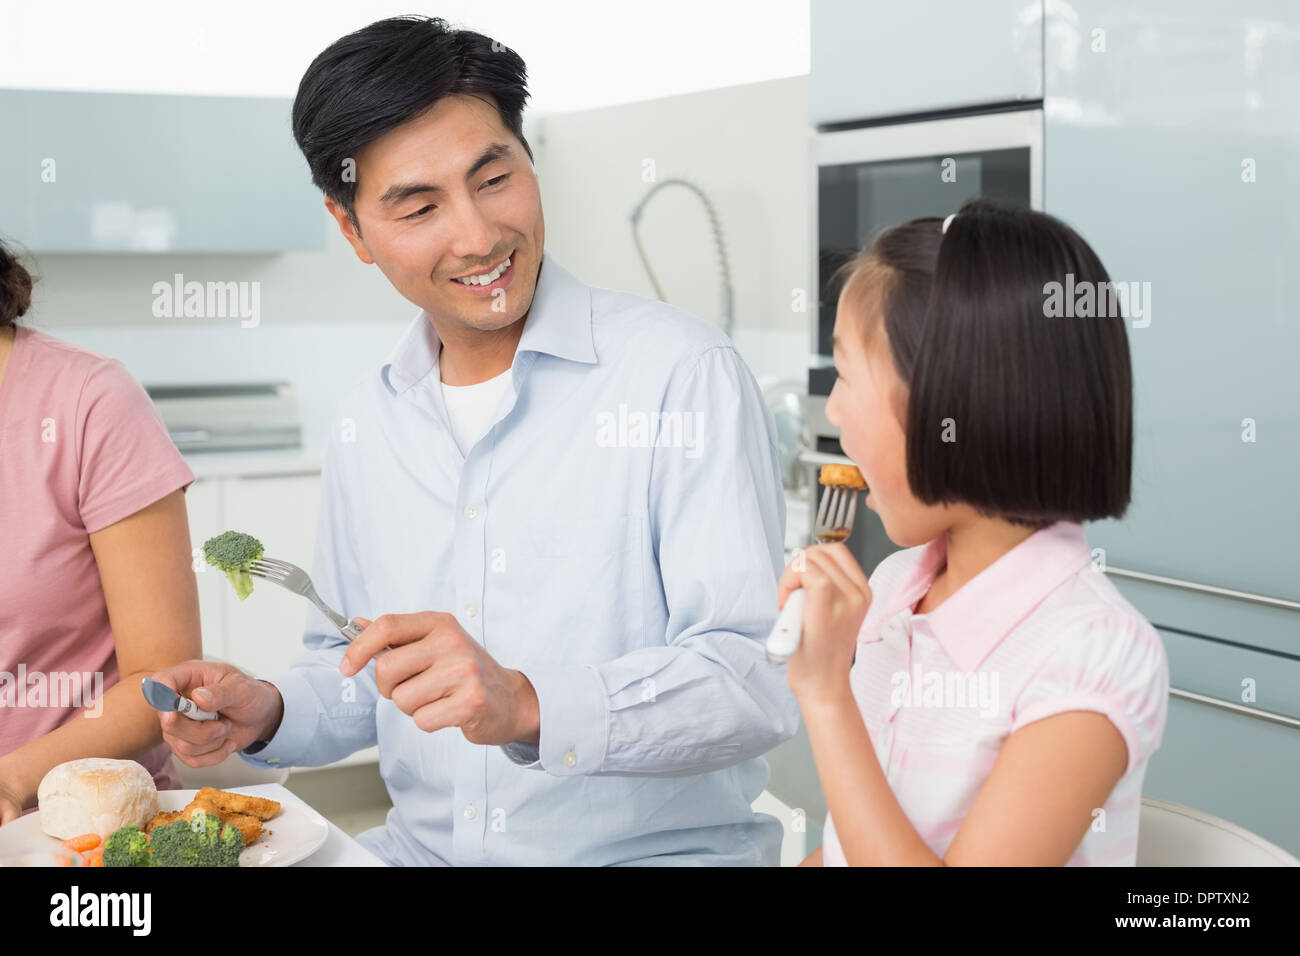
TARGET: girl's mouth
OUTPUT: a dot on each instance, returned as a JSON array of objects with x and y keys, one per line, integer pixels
[{"x": 486, "y": 283}]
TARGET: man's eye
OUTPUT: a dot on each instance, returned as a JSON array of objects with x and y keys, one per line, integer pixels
[
  {"x": 496, "y": 179},
  {"x": 420, "y": 212}
]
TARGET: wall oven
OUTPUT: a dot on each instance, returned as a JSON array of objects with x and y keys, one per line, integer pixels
[{"x": 872, "y": 175}]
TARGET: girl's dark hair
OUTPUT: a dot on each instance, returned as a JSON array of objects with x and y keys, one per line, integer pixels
[
  {"x": 15, "y": 288},
  {"x": 1011, "y": 409},
  {"x": 376, "y": 79}
]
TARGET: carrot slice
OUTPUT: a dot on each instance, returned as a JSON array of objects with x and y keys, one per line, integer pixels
[
  {"x": 80, "y": 844},
  {"x": 94, "y": 857}
]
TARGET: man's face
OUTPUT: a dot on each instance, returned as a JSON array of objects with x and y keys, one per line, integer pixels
[{"x": 446, "y": 195}]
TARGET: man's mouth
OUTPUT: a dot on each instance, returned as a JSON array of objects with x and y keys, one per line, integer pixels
[{"x": 483, "y": 283}]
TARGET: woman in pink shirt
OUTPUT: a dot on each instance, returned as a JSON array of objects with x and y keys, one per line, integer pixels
[
  {"x": 987, "y": 697},
  {"x": 96, "y": 583}
]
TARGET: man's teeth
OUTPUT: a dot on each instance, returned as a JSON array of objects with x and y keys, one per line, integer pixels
[{"x": 487, "y": 276}]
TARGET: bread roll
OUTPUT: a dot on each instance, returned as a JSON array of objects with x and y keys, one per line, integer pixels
[{"x": 95, "y": 795}]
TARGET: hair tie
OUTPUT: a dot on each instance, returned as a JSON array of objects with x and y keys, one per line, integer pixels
[{"x": 950, "y": 218}]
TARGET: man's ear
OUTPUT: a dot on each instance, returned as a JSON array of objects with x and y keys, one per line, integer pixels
[{"x": 349, "y": 231}]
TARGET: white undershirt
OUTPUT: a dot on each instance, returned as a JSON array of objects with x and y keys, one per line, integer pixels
[{"x": 474, "y": 408}]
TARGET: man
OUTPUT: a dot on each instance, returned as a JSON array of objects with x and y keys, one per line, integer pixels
[{"x": 584, "y": 484}]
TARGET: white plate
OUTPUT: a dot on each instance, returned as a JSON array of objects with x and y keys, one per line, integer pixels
[{"x": 297, "y": 831}]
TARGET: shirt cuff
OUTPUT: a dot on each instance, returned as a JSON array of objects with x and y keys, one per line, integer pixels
[
  {"x": 297, "y": 727},
  {"x": 575, "y": 722}
]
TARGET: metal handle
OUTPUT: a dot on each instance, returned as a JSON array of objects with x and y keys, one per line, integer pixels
[
  {"x": 1267, "y": 715},
  {"x": 1252, "y": 598}
]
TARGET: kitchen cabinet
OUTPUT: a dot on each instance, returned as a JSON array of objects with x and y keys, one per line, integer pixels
[
  {"x": 118, "y": 172},
  {"x": 880, "y": 58},
  {"x": 1176, "y": 153}
]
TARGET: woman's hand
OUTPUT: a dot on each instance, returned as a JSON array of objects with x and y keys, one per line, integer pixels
[
  {"x": 11, "y": 806},
  {"x": 838, "y": 598}
]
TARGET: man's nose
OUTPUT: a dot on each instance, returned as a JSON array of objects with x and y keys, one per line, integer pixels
[{"x": 474, "y": 235}]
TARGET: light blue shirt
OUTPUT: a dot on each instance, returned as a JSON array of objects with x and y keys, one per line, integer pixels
[{"x": 617, "y": 537}]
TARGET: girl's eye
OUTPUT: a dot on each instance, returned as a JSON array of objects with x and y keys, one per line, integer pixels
[
  {"x": 420, "y": 212},
  {"x": 496, "y": 179}
]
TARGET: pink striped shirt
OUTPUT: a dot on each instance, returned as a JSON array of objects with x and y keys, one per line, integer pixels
[{"x": 1038, "y": 632}]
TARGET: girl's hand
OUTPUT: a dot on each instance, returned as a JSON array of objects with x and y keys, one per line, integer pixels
[
  {"x": 838, "y": 598},
  {"x": 11, "y": 807}
]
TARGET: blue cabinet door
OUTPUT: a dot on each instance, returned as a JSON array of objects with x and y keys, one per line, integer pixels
[
  {"x": 1172, "y": 143},
  {"x": 878, "y": 58},
  {"x": 109, "y": 172}
]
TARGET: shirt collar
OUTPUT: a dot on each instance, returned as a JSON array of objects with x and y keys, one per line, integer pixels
[
  {"x": 971, "y": 622},
  {"x": 558, "y": 323}
]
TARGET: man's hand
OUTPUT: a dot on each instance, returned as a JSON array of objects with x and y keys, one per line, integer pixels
[
  {"x": 250, "y": 710},
  {"x": 442, "y": 677}
]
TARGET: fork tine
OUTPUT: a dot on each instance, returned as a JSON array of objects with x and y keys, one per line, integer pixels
[
  {"x": 824, "y": 507},
  {"x": 272, "y": 562},
  {"x": 267, "y": 570},
  {"x": 842, "y": 512},
  {"x": 853, "y": 507}
]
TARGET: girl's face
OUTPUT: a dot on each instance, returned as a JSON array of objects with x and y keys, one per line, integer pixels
[{"x": 866, "y": 406}]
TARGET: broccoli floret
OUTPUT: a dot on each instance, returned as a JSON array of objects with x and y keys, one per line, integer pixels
[
  {"x": 201, "y": 841},
  {"x": 233, "y": 552},
  {"x": 128, "y": 846},
  {"x": 219, "y": 844},
  {"x": 173, "y": 845}
]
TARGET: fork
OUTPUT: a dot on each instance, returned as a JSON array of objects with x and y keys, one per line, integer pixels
[
  {"x": 834, "y": 522},
  {"x": 295, "y": 579}
]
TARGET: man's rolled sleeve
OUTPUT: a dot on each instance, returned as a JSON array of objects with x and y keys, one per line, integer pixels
[{"x": 574, "y": 723}]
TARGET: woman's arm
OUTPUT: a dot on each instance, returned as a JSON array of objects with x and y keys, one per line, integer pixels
[
  {"x": 153, "y": 608},
  {"x": 1033, "y": 810}
]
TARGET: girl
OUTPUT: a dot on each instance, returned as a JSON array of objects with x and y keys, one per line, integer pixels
[
  {"x": 96, "y": 584},
  {"x": 987, "y": 697}
]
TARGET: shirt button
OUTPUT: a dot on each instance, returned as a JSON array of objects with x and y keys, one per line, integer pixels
[
  {"x": 471, "y": 610},
  {"x": 470, "y": 812},
  {"x": 570, "y": 759},
  {"x": 471, "y": 511}
]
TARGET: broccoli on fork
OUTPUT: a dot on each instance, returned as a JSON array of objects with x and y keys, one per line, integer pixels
[{"x": 233, "y": 552}]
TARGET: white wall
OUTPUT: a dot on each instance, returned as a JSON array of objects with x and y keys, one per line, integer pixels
[
  {"x": 748, "y": 148},
  {"x": 580, "y": 53}
]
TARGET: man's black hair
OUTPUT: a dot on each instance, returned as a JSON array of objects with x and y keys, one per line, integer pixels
[{"x": 381, "y": 76}]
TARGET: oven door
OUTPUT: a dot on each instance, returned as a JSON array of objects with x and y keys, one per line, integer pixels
[{"x": 870, "y": 178}]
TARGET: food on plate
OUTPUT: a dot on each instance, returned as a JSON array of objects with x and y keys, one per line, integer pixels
[
  {"x": 128, "y": 846},
  {"x": 227, "y": 802},
  {"x": 212, "y": 830},
  {"x": 162, "y": 819},
  {"x": 95, "y": 795},
  {"x": 88, "y": 846},
  {"x": 233, "y": 552},
  {"x": 202, "y": 840},
  {"x": 842, "y": 476}
]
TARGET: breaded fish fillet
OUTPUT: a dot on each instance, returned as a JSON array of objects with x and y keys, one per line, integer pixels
[
  {"x": 162, "y": 819},
  {"x": 241, "y": 803},
  {"x": 249, "y": 827}
]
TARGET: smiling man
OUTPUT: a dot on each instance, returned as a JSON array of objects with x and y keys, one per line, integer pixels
[{"x": 568, "y": 663}]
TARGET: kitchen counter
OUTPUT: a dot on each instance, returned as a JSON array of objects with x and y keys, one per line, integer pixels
[{"x": 275, "y": 461}]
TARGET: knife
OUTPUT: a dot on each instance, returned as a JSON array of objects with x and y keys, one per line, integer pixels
[{"x": 161, "y": 697}]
